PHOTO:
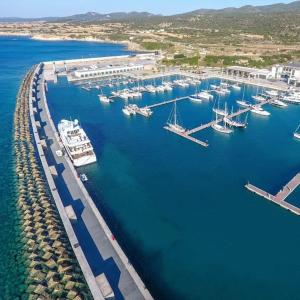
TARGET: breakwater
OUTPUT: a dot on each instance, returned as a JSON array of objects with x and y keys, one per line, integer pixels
[{"x": 52, "y": 269}]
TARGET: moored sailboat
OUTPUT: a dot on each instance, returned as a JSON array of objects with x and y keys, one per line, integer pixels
[
  {"x": 297, "y": 133},
  {"x": 173, "y": 122}
]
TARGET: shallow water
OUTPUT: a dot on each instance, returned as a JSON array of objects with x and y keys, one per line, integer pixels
[{"x": 181, "y": 211}]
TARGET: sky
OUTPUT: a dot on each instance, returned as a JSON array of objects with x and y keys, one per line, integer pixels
[{"x": 43, "y": 8}]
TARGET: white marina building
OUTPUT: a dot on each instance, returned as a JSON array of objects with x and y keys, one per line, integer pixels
[
  {"x": 246, "y": 72},
  {"x": 290, "y": 72},
  {"x": 95, "y": 71}
]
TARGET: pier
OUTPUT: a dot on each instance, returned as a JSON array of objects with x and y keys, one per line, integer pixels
[
  {"x": 97, "y": 250},
  {"x": 281, "y": 196},
  {"x": 186, "y": 136},
  {"x": 166, "y": 102}
]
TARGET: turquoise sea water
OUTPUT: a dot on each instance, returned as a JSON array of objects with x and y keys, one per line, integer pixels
[
  {"x": 179, "y": 210},
  {"x": 17, "y": 55}
]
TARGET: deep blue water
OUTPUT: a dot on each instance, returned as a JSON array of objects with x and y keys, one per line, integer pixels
[{"x": 179, "y": 210}]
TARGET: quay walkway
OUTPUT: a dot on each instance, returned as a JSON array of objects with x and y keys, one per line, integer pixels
[
  {"x": 99, "y": 250},
  {"x": 281, "y": 196}
]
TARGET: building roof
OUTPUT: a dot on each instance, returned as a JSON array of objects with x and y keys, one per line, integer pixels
[
  {"x": 295, "y": 65},
  {"x": 249, "y": 70}
]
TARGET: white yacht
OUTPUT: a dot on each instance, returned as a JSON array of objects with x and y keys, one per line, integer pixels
[
  {"x": 167, "y": 86},
  {"x": 221, "y": 128},
  {"x": 243, "y": 103},
  {"x": 129, "y": 110},
  {"x": 258, "y": 98},
  {"x": 236, "y": 87},
  {"x": 195, "y": 98},
  {"x": 150, "y": 89},
  {"x": 146, "y": 111},
  {"x": 205, "y": 95},
  {"x": 77, "y": 144},
  {"x": 259, "y": 111},
  {"x": 278, "y": 103},
  {"x": 104, "y": 99},
  {"x": 272, "y": 93},
  {"x": 291, "y": 99}
]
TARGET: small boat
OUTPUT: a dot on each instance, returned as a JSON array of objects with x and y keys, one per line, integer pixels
[
  {"x": 221, "y": 128},
  {"x": 205, "y": 95},
  {"x": 236, "y": 87},
  {"x": 225, "y": 90},
  {"x": 146, "y": 111},
  {"x": 195, "y": 98},
  {"x": 83, "y": 177},
  {"x": 150, "y": 89},
  {"x": 243, "y": 103},
  {"x": 220, "y": 92},
  {"x": 259, "y": 111},
  {"x": 160, "y": 89},
  {"x": 297, "y": 132},
  {"x": 128, "y": 110},
  {"x": 258, "y": 98},
  {"x": 278, "y": 103},
  {"x": 291, "y": 99},
  {"x": 221, "y": 112},
  {"x": 224, "y": 84},
  {"x": 167, "y": 87},
  {"x": 181, "y": 83},
  {"x": 272, "y": 93},
  {"x": 235, "y": 121},
  {"x": 104, "y": 99}
]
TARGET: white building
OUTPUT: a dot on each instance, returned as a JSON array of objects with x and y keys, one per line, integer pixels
[
  {"x": 246, "y": 72},
  {"x": 94, "y": 71},
  {"x": 290, "y": 72}
]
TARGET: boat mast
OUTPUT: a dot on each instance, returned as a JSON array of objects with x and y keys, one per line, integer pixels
[{"x": 175, "y": 113}]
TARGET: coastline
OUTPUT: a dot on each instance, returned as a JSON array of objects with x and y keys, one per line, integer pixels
[{"x": 129, "y": 45}]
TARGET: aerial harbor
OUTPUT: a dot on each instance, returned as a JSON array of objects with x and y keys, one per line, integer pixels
[{"x": 150, "y": 155}]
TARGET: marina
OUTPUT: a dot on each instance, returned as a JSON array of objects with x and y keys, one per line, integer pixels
[{"x": 135, "y": 202}]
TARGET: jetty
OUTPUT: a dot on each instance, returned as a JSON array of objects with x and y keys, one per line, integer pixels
[
  {"x": 96, "y": 252},
  {"x": 187, "y": 134},
  {"x": 281, "y": 196}
]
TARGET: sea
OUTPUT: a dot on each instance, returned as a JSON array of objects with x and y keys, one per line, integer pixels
[{"x": 180, "y": 211}]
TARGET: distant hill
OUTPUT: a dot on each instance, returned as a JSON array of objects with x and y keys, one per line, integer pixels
[
  {"x": 248, "y": 9},
  {"x": 87, "y": 17}
]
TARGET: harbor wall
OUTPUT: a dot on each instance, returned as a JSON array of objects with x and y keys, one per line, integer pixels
[{"x": 126, "y": 265}]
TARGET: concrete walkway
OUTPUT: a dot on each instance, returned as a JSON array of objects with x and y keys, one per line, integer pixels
[{"x": 93, "y": 235}]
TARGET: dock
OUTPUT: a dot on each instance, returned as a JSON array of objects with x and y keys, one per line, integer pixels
[
  {"x": 188, "y": 137},
  {"x": 233, "y": 115},
  {"x": 166, "y": 102},
  {"x": 187, "y": 134},
  {"x": 281, "y": 196}
]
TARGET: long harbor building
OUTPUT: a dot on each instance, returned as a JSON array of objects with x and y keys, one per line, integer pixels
[{"x": 107, "y": 271}]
